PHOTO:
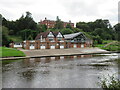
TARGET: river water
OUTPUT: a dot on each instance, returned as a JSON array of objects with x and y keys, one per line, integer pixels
[{"x": 82, "y": 71}]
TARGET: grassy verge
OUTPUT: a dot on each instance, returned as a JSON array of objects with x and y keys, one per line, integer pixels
[
  {"x": 115, "y": 46},
  {"x": 15, "y": 38},
  {"x": 10, "y": 52}
]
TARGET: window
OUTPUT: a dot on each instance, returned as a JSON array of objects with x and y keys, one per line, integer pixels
[
  {"x": 59, "y": 39},
  {"x": 51, "y": 39},
  {"x": 31, "y": 44}
]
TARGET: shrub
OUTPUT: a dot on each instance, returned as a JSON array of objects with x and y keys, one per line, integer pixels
[{"x": 111, "y": 83}]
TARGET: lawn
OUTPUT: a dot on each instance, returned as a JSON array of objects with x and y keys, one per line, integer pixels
[
  {"x": 15, "y": 38},
  {"x": 112, "y": 47},
  {"x": 10, "y": 52}
]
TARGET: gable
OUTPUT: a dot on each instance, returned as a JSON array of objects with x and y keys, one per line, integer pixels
[
  {"x": 50, "y": 34},
  {"x": 59, "y": 35}
]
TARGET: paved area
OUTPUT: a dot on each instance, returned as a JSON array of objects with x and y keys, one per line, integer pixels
[
  {"x": 58, "y": 52},
  {"x": 55, "y": 52}
]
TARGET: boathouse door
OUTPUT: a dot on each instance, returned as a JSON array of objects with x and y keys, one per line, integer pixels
[{"x": 82, "y": 45}]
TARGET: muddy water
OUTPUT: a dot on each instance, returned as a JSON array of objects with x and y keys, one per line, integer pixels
[{"x": 81, "y": 71}]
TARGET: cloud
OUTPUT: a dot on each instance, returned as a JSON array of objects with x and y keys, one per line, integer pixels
[{"x": 74, "y": 10}]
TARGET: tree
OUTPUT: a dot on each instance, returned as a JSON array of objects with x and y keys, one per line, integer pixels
[
  {"x": 117, "y": 31},
  {"x": 28, "y": 34},
  {"x": 97, "y": 40},
  {"x": 42, "y": 27},
  {"x": 59, "y": 24},
  {"x": 26, "y": 22},
  {"x": 69, "y": 26},
  {"x": 75, "y": 30},
  {"x": 117, "y": 27},
  {"x": 5, "y": 36},
  {"x": 84, "y": 26},
  {"x": 66, "y": 31}
]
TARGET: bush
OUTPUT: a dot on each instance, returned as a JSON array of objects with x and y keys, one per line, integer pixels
[{"x": 111, "y": 83}]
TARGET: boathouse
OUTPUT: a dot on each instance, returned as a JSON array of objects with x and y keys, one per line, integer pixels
[{"x": 55, "y": 40}]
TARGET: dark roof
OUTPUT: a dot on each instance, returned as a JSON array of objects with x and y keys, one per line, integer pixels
[
  {"x": 55, "y": 33},
  {"x": 44, "y": 35}
]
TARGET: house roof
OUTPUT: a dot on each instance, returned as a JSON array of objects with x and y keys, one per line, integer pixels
[
  {"x": 44, "y": 34},
  {"x": 70, "y": 36},
  {"x": 56, "y": 33}
]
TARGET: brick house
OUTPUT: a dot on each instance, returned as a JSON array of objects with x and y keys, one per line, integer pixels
[
  {"x": 77, "y": 40},
  {"x": 55, "y": 40},
  {"x": 51, "y": 23}
]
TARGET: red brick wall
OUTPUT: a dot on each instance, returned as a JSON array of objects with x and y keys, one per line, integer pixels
[{"x": 51, "y": 24}]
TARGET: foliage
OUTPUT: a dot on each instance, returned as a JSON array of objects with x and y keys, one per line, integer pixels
[
  {"x": 63, "y": 31},
  {"x": 15, "y": 38},
  {"x": 101, "y": 28},
  {"x": 8, "y": 52},
  {"x": 110, "y": 47},
  {"x": 66, "y": 31},
  {"x": 117, "y": 31},
  {"x": 97, "y": 40},
  {"x": 28, "y": 34},
  {"x": 84, "y": 26},
  {"x": 69, "y": 26},
  {"x": 24, "y": 22},
  {"x": 111, "y": 83},
  {"x": 42, "y": 28},
  {"x": 5, "y": 37},
  {"x": 59, "y": 23}
]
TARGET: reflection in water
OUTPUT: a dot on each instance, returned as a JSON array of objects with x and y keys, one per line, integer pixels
[
  {"x": 49, "y": 59},
  {"x": 58, "y": 72}
]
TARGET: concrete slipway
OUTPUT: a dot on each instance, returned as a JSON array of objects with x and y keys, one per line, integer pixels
[{"x": 58, "y": 52}]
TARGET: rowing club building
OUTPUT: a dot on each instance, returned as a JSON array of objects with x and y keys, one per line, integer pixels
[{"x": 55, "y": 40}]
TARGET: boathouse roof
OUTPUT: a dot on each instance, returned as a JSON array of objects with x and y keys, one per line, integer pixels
[{"x": 70, "y": 36}]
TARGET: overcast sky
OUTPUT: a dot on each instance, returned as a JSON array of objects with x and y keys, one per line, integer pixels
[{"x": 74, "y": 10}]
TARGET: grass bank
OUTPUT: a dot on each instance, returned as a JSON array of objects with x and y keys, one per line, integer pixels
[
  {"x": 15, "y": 38},
  {"x": 109, "y": 45},
  {"x": 10, "y": 52}
]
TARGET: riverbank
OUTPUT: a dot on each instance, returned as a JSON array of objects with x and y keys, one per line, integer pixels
[
  {"x": 58, "y": 52},
  {"x": 10, "y": 52},
  {"x": 109, "y": 45}
]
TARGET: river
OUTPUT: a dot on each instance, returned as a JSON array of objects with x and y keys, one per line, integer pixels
[{"x": 82, "y": 71}]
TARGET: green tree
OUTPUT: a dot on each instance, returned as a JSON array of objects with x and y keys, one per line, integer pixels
[
  {"x": 59, "y": 23},
  {"x": 5, "y": 36},
  {"x": 97, "y": 40},
  {"x": 26, "y": 22},
  {"x": 69, "y": 26},
  {"x": 28, "y": 34},
  {"x": 42, "y": 28},
  {"x": 84, "y": 26},
  {"x": 117, "y": 31},
  {"x": 75, "y": 30},
  {"x": 117, "y": 27},
  {"x": 66, "y": 31}
]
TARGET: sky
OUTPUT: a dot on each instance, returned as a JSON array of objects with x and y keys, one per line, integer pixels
[{"x": 74, "y": 10}]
